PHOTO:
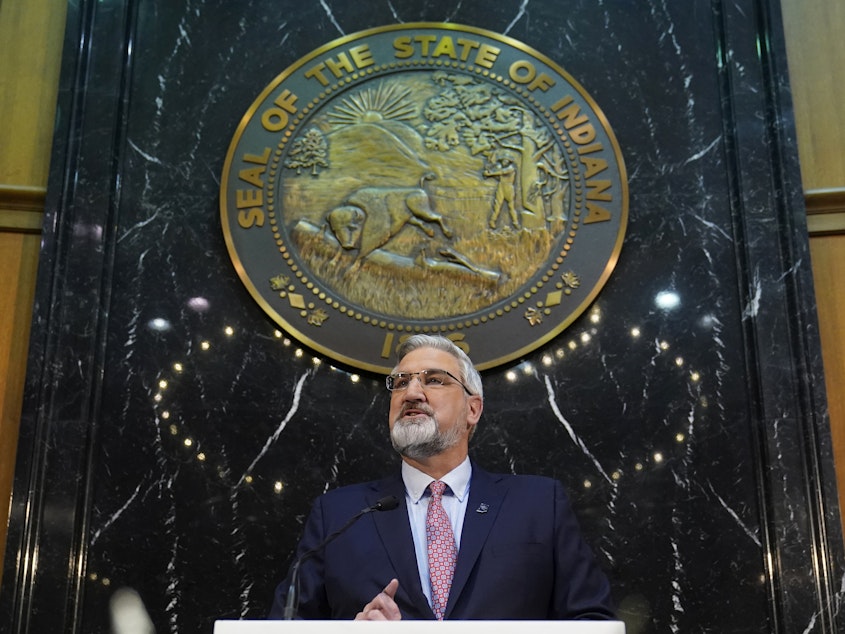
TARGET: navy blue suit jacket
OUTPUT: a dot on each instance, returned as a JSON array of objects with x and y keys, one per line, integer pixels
[{"x": 521, "y": 556}]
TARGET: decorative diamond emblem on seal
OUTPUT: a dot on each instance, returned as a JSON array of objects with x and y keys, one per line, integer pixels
[{"x": 429, "y": 178}]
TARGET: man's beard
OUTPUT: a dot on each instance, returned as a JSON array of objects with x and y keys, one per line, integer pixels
[{"x": 421, "y": 437}]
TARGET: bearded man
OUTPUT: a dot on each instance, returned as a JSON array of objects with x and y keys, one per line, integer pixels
[{"x": 461, "y": 543}]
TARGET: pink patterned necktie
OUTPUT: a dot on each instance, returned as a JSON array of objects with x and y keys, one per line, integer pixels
[{"x": 442, "y": 552}]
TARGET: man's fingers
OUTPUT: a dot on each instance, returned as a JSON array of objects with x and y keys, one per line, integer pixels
[
  {"x": 389, "y": 609},
  {"x": 382, "y": 607},
  {"x": 370, "y": 615},
  {"x": 391, "y": 588}
]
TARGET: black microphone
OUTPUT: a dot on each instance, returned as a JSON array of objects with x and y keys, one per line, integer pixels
[{"x": 387, "y": 503}]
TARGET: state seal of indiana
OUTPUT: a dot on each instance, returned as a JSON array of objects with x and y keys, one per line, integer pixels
[{"x": 424, "y": 178}]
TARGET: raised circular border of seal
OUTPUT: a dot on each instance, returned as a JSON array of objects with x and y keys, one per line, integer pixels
[{"x": 424, "y": 178}]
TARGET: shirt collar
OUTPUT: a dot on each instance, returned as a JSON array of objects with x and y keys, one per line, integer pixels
[{"x": 416, "y": 482}]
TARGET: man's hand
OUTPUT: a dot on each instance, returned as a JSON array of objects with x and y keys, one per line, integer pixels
[{"x": 382, "y": 607}]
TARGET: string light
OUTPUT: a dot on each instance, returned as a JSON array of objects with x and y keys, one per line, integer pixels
[{"x": 547, "y": 361}]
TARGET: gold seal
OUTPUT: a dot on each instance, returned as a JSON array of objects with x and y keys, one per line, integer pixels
[{"x": 424, "y": 177}]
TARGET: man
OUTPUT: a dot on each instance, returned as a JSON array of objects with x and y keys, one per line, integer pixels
[
  {"x": 488, "y": 547},
  {"x": 505, "y": 171}
]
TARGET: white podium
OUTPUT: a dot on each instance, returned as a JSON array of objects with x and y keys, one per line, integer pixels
[{"x": 419, "y": 627}]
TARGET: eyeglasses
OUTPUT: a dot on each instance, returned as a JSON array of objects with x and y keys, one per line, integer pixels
[{"x": 429, "y": 379}]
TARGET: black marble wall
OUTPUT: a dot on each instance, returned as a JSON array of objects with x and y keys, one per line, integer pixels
[{"x": 172, "y": 438}]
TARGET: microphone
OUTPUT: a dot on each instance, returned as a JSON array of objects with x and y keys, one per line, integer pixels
[{"x": 387, "y": 503}]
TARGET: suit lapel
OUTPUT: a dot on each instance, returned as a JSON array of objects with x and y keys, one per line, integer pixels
[
  {"x": 394, "y": 531},
  {"x": 485, "y": 498}
]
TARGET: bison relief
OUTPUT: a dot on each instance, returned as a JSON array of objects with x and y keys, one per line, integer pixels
[
  {"x": 370, "y": 217},
  {"x": 361, "y": 228}
]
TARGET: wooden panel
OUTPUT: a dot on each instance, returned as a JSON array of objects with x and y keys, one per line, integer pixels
[
  {"x": 825, "y": 211},
  {"x": 816, "y": 52},
  {"x": 22, "y": 208},
  {"x": 31, "y": 36},
  {"x": 31, "y": 33},
  {"x": 828, "y": 254},
  {"x": 19, "y": 262}
]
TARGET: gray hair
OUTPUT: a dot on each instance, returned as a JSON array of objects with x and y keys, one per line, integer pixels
[{"x": 469, "y": 375}]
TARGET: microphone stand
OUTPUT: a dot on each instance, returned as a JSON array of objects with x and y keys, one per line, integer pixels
[{"x": 387, "y": 503}]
